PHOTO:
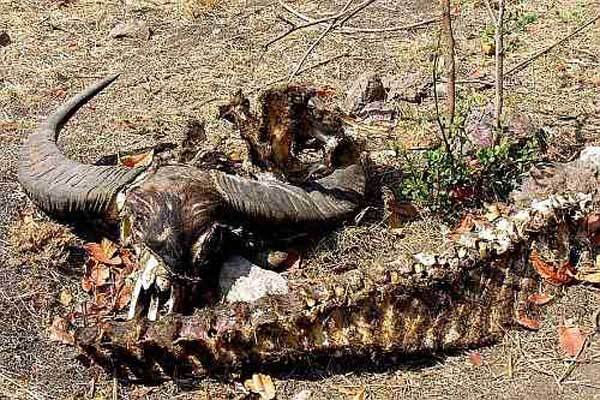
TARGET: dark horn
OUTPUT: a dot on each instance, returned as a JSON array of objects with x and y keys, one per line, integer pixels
[
  {"x": 61, "y": 186},
  {"x": 326, "y": 200}
]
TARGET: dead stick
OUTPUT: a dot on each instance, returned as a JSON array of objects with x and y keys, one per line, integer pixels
[
  {"x": 450, "y": 55},
  {"x": 436, "y": 99},
  {"x": 351, "y": 30},
  {"x": 571, "y": 367},
  {"x": 552, "y": 46},
  {"x": 499, "y": 66},
  {"x": 308, "y": 24},
  {"x": 321, "y": 36},
  {"x": 303, "y": 70}
]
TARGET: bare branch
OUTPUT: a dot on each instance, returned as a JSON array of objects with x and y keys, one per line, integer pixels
[
  {"x": 450, "y": 59},
  {"x": 332, "y": 24},
  {"x": 303, "y": 70},
  {"x": 499, "y": 66},
  {"x": 309, "y": 22},
  {"x": 535, "y": 56},
  {"x": 436, "y": 99}
]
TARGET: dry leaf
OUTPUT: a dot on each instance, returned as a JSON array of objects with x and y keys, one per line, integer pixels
[
  {"x": 235, "y": 156},
  {"x": 354, "y": 393},
  {"x": 137, "y": 160},
  {"x": 261, "y": 385},
  {"x": 571, "y": 339},
  {"x": 527, "y": 322},
  {"x": 555, "y": 276},
  {"x": 591, "y": 277},
  {"x": 99, "y": 275},
  {"x": 103, "y": 252},
  {"x": 65, "y": 297},
  {"x": 539, "y": 298},
  {"x": 396, "y": 211},
  {"x": 59, "y": 331},
  {"x": 475, "y": 358},
  {"x": 122, "y": 298}
]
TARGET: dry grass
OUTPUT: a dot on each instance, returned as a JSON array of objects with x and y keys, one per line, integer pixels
[{"x": 199, "y": 53}]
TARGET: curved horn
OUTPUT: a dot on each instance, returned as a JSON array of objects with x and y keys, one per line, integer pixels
[
  {"x": 61, "y": 186},
  {"x": 326, "y": 200}
]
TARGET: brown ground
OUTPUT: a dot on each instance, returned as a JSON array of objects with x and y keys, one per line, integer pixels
[{"x": 201, "y": 51}]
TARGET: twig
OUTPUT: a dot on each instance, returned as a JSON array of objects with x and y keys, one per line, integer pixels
[
  {"x": 333, "y": 23},
  {"x": 349, "y": 30},
  {"x": 571, "y": 367},
  {"x": 308, "y": 24},
  {"x": 357, "y": 10},
  {"x": 303, "y": 70},
  {"x": 435, "y": 96},
  {"x": 499, "y": 67},
  {"x": 450, "y": 58},
  {"x": 490, "y": 11},
  {"x": 535, "y": 56}
]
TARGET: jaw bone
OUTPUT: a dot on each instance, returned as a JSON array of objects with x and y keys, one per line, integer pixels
[{"x": 152, "y": 280}]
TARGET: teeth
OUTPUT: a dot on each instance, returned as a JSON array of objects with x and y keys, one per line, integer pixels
[
  {"x": 171, "y": 302},
  {"x": 153, "y": 309},
  {"x": 150, "y": 269},
  {"x": 137, "y": 290}
]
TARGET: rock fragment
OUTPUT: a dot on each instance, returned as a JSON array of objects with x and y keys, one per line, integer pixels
[
  {"x": 136, "y": 29},
  {"x": 242, "y": 281}
]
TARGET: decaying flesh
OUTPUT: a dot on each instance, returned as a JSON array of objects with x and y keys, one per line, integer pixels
[
  {"x": 464, "y": 297},
  {"x": 292, "y": 119},
  {"x": 176, "y": 217}
]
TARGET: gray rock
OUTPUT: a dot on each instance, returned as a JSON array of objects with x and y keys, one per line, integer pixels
[{"x": 242, "y": 281}]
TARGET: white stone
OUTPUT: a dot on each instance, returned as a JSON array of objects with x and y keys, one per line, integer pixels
[
  {"x": 242, "y": 281},
  {"x": 591, "y": 155}
]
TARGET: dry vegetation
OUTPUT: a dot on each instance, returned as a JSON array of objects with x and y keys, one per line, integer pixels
[{"x": 182, "y": 59}]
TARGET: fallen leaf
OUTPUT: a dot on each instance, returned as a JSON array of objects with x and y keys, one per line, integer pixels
[
  {"x": 556, "y": 276},
  {"x": 571, "y": 340},
  {"x": 59, "y": 331},
  {"x": 99, "y": 275},
  {"x": 261, "y": 385},
  {"x": 122, "y": 298},
  {"x": 466, "y": 224},
  {"x": 397, "y": 212},
  {"x": 527, "y": 322},
  {"x": 355, "y": 393},
  {"x": 104, "y": 252},
  {"x": 137, "y": 160},
  {"x": 65, "y": 297},
  {"x": 539, "y": 298},
  {"x": 589, "y": 272},
  {"x": 475, "y": 358},
  {"x": 462, "y": 193}
]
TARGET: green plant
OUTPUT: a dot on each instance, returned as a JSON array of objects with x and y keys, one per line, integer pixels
[{"x": 440, "y": 182}]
